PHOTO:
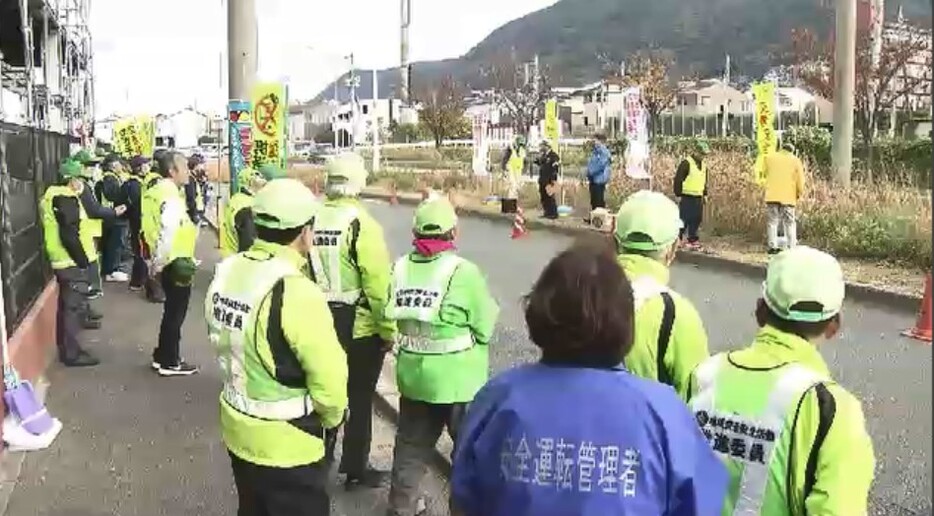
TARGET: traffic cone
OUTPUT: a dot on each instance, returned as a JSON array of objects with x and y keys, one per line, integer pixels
[
  {"x": 922, "y": 329},
  {"x": 518, "y": 225},
  {"x": 393, "y": 195}
]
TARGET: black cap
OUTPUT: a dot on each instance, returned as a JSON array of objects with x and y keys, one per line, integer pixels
[
  {"x": 109, "y": 161},
  {"x": 195, "y": 160},
  {"x": 136, "y": 162}
]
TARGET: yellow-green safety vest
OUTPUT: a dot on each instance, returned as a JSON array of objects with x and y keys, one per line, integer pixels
[
  {"x": 416, "y": 294},
  {"x": 234, "y": 304},
  {"x": 516, "y": 161},
  {"x": 332, "y": 225},
  {"x": 186, "y": 235},
  {"x": 696, "y": 180},
  {"x": 57, "y": 254},
  {"x": 229, "y": 240},
  {"x": 748, "y": 417}
]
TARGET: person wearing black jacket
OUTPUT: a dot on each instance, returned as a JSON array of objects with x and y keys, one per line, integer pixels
[
  {"x": 548, "y": 166},
  {"x": 133, "y": 193},
  {"x": 109, "y": 192},
  {"x": 69, "y": 253},
  {"x": 691, "y": 188},
  {"x": 194, "y": 194}
]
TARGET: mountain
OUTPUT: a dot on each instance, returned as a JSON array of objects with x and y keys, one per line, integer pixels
[{"x": 571, "y": 34}]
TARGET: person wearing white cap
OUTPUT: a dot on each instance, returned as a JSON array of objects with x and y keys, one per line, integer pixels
[{"x": 793, "y": 440}]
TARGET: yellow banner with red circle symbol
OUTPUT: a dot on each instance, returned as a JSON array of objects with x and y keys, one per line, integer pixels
[
  {"x": 270, "y": 108},
  {"x": 766, "y": 138}
]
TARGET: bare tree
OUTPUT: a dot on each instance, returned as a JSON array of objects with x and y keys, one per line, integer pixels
[
  {"x": 519, "y": 90},
  {"x": 442, "y": 112},
  {"x": 896, "y": 74}
]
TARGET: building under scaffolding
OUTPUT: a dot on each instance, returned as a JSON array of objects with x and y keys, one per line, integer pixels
[{"x": 46, "y": 63}]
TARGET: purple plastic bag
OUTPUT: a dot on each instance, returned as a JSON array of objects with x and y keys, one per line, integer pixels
[{"x": 22, "y": 402}]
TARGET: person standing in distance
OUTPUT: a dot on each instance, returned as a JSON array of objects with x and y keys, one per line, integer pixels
[
  {"x": 167, "y": 226},
  {"x": 351, "y": 264},
  {"x": 133, "y": 193},
  {"x": 690, "y": 187},
  {"x": 446, "y": 317},
  {"x": 784, "y": 187},
  {"x": 284, "y": 371},
  {"x": 548, "y": 170},
  {"x": 109, "y": 192},
  {"x": 794, "y": 441},
  {"x": 69, "y": 248},
  {"x": 599, "y": 169},
  {"x": 670, "y": 339}
]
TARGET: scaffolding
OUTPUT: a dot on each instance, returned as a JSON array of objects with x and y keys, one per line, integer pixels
[{"x": 47, "y": 61}]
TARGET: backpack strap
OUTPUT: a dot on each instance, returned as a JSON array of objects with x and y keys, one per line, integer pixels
[
  {"x": 664, "y": 337},
  {"x": 827, "y": 410}
]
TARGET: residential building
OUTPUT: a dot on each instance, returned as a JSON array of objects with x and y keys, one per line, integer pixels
[{"x": 711, "y": 97}]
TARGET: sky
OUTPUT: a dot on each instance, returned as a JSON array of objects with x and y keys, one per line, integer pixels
[{"x": 165, "y": 55}]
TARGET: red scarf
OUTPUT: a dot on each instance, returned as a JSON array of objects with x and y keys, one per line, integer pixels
[{"x": 429, "y": 247}]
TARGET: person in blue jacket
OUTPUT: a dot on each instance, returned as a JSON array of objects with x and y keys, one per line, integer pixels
[
  {"x": 598, "y": 172},
  {"x": 576, "y": 433}
]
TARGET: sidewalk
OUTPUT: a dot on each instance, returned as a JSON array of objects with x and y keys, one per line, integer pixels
[{"x": 135, "y": 444}]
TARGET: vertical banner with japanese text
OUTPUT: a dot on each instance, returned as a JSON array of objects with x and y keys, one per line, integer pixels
[
  {"x": 146, "y": 128},
  {"x": 239, "y": 130},
  {"x": 480, "y": 144},
  {"x": 127, "y": 138},
  {"x": 637, "y": 134},
  {"x": 552, "y": 129},
  {"x": 270, "y": 104},
  {"x": 766, "y": 138}
]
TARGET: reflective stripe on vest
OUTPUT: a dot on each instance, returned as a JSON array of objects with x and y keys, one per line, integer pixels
[
  {"x": 329, "y": 236},
  {"x": 232, "y": 308},
  {"x": 57, "y": 254},
  {"x": 418, "y": 299},
  {"x": 758, "y": 435},
  {"x": 696, "y": 179},
  {"x": 645, "y": 288}
]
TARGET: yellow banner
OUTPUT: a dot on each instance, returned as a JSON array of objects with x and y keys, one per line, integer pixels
[
  {"x": 270, "y": 105},
  {"x": 127, "y": 138},
  {"x": 766, "y": 139},
  {"x": 551, "y": 123},
  {"x": 146, "y": 127}
]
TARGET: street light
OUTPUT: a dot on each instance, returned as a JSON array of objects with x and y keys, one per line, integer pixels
[{"x": 349, "y": 58}]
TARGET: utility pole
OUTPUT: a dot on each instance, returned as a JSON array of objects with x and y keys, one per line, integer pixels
[
  {"x": 242, "y": 46},
  {"x": 353, "y": 104},
  {"x": 405, "y": 67},
  {"x": 375, "y": 121},
  {"x": 844, "y": 84}
]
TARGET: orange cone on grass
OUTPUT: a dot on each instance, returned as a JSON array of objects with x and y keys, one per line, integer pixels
[{"x": 922, "y": 328}]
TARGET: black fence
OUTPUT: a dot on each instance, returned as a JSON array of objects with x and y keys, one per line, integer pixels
[{"x": 29, "y": 161}]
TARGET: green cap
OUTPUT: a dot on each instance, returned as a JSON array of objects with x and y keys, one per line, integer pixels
[
  {"x": 85, "y": 158},
  {"x": 284, "y": 204},
  {"x": 70, "y": 169},
  {"x": 435, "y": 217},
  {"x": 183, "y": 271},
  {"x": 701, "y": 146},
  {"x": 346, "y": 174},
  {"x": 804, "y": 275},
  {"x": 647, "y": 221},
  {"x": 270, "y": 172}
]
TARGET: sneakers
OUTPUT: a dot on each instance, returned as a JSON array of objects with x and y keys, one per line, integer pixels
[
  {"x": 95, "y": 294},
  {"x": 117, "y": 277},
  {"x": 182, "y": 369},
  {"x": 84, "y": 359},
  {"x": 91, "y": 324},
  {"x": 135, "y": 288}
]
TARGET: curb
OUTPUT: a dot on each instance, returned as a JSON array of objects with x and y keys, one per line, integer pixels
[{"x": 857, "y": 291}]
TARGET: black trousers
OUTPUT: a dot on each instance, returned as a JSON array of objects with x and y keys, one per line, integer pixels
[
  {"x": 173, "y": 316},
  {"x": 420, "y": 427},
  {"x": 597, "y": 196},
  {"x": 549, "y": 204},
  {"x": 265, "y": 491},
  {"x": 692, "y": 214},
  {"x": 364, "y": 363},
  {"x": 73, "y": 307},
  {"x": 139, "y": 273}
]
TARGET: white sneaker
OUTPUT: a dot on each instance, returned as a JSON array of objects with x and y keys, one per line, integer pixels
[{"x": 117, "y": 277}]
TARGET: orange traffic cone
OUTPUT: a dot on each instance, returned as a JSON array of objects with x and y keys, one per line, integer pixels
[
  {"x": 393, "y": 195},
  {"x": 922, "y": 329},
  {"x": 518, "y": 225}
]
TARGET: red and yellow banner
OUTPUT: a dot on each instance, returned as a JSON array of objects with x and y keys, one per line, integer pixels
[{"x": 270, "y": 105}]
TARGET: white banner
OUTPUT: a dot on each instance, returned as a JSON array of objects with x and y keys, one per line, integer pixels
[
  {"x": 637, "y": 134},
  {"x": 481, "y": 144}
]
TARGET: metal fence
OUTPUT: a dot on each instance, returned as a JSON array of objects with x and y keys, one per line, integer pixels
[{"x": 29, "y": 160}]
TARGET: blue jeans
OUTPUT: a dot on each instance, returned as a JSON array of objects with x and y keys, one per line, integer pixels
[{"x": 113, "y": 244}]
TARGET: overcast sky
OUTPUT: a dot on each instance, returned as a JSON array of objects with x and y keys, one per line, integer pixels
[{"x": 160, "y": 56}]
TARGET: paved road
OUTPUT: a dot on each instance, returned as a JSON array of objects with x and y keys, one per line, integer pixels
[
  {"x": 136, "y": 444},
  {"x": 892, "y": 375}
]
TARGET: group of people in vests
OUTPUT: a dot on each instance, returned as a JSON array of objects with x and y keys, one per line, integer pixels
[
  {"x": 98, "y": 203},
  {"x": 625, "y": 413}
]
